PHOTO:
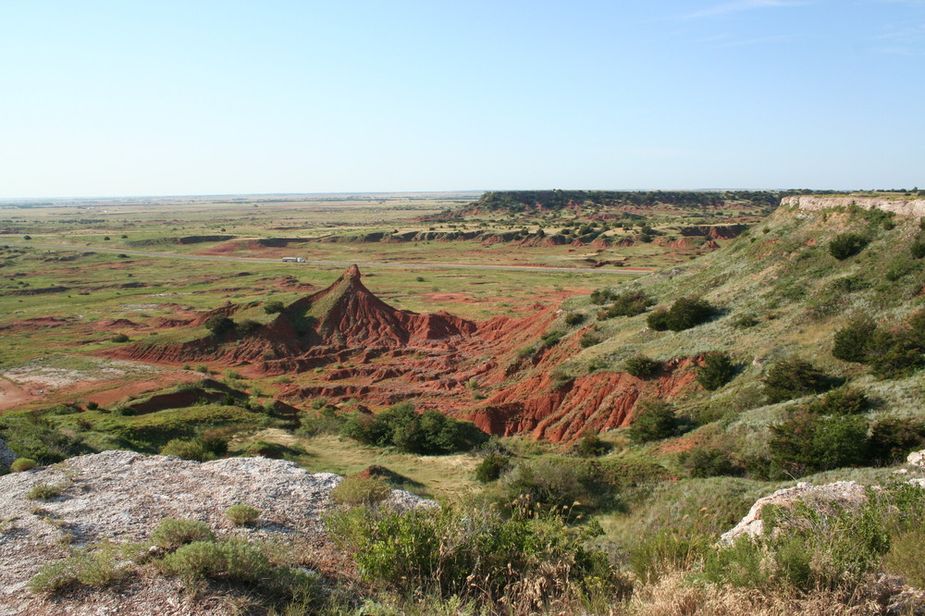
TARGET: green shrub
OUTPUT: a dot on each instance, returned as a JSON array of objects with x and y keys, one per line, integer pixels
[
  {"x": 22, "y": 464},
  {"x": 685, "y": 313},
  {"x": 654, "y": 421},
  {"x": 172, "y": 533},
  {"x": 427, "y": 433},
  {"x": 476, "y": 554},
  {"x": 274, "y": 307},
  {"x": 34, "y": 436},
  {"x": 44, "y": 491},
  {"x": 847, "y": 245},
  {"x": 703, "y": 462},
  {"x": 899, "y": 352},
  {"x": 852, "y": 342},
  {"x": 900, "y": 268},
  {"x": 642, "y": 367},
  {"x": 188, "y": 449},
  {"x": 591, "y": 446},
  {"x": 659, "y": 320},
  {"x": 918, "y": 248},
  {"x": 325, "y": 420},
  {"x": 215, "y": 441},
  {"x": 628, "y": 304},
  {"x": 355, "y": 490},
  {"x": 600, "y": 296},
  {"x": 219, "y": 325},
  {"x": 794, "y": 378},
  {"x": 242, "y": 515},
  {"x": 236, "y": 561},
  {"x": 589, "y": 339},
  {"x": 842, "y": 401},
  {"x": 717, "y": 370},
  {"x": 91, "y": 568},
  {"x": 807, "y": 443},
  {"x": 491, "y": 467},
  {"x": 119, "y": 338},
  {"x": 893, "y": 438},
  {"x": 554, "y": 484},
  {"x": 574, "y": 318}
]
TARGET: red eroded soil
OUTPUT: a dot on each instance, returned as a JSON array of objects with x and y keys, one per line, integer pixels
[
  {"x": 36, "y": 324},
  {"x": 344, "y": 343}
]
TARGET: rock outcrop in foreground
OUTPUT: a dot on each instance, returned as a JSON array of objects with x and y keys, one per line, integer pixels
[
  {"x": 903, "y": 207},
  {"x": 122, "y": 496},
  {"x": 827, "y": 497}
]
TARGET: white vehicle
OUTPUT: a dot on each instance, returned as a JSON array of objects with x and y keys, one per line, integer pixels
[{"x": 293, "y": 259}]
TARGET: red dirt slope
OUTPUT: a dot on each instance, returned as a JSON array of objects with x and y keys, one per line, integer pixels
[{"x": 344, "y": 343}]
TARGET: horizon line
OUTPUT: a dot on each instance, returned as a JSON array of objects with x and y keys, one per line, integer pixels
[{"x": 290, "y": 194}]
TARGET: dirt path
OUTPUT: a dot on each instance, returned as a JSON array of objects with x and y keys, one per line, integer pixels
[{"x": 367, "y": 264}]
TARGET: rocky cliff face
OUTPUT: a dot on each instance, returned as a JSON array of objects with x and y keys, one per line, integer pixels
[{"x": 903, "y": 207}]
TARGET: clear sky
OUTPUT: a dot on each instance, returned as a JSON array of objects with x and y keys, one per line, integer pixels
[{"x": 200, "y": 97}]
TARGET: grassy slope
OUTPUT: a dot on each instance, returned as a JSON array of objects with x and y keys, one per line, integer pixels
[{"x": 782, "y": 274}]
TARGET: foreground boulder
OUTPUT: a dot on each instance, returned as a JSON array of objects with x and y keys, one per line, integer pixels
[
  {"x": 122, "y": 496},
  {"x": 828, "y": 497}
]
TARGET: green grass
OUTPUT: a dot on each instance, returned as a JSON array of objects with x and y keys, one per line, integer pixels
[{"x": 440, "y": 476}]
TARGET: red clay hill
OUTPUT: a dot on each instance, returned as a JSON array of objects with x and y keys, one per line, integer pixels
[{"x": 344, "y": 343}]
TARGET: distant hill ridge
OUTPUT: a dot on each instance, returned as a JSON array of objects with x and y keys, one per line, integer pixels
[{"x": 558, "y": 199}]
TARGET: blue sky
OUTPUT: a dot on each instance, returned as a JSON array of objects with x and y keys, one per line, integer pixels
[{"x": 143, "y": 98}]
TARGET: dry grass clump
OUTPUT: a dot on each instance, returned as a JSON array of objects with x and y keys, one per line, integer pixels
[
  {"x": 242, "y": 515},
  {"x": 356, "y": 490},
  {"x": 675, "y": 595}
]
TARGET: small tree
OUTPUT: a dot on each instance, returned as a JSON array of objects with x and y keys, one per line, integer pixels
[
  {"x": 794, "y": 378},
  {"x": 685, "y": 313},
  {"x": 918, "y": 248},
  {"x": 642, "y": 367},
  {"x": 847, "y": 245},
  {"x": 717, "y": 370},
  {"x": 659, "y": 320},
  {"x": 807, "y": 443},
  {"x": 892, "y": 438},
  {"x": 841, "y": 401},
  {"x": 710, "y": 463},
  {"x": 274, "y": 307},
  {"x": 852, "y": 342},
  {"x": 591, "y": 446},
  {"x": 653, "y": 422},
  {"x": 574, "y": 318},
  {"x": 219, "y": 324},
  {"x": 492, "y": 466}
]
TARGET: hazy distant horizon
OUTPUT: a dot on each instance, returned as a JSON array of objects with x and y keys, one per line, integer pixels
[{"x": 398, "y": 193}]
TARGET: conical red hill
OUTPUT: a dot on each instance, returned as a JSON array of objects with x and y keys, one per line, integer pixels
[{"x": 347, "y": 314}]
